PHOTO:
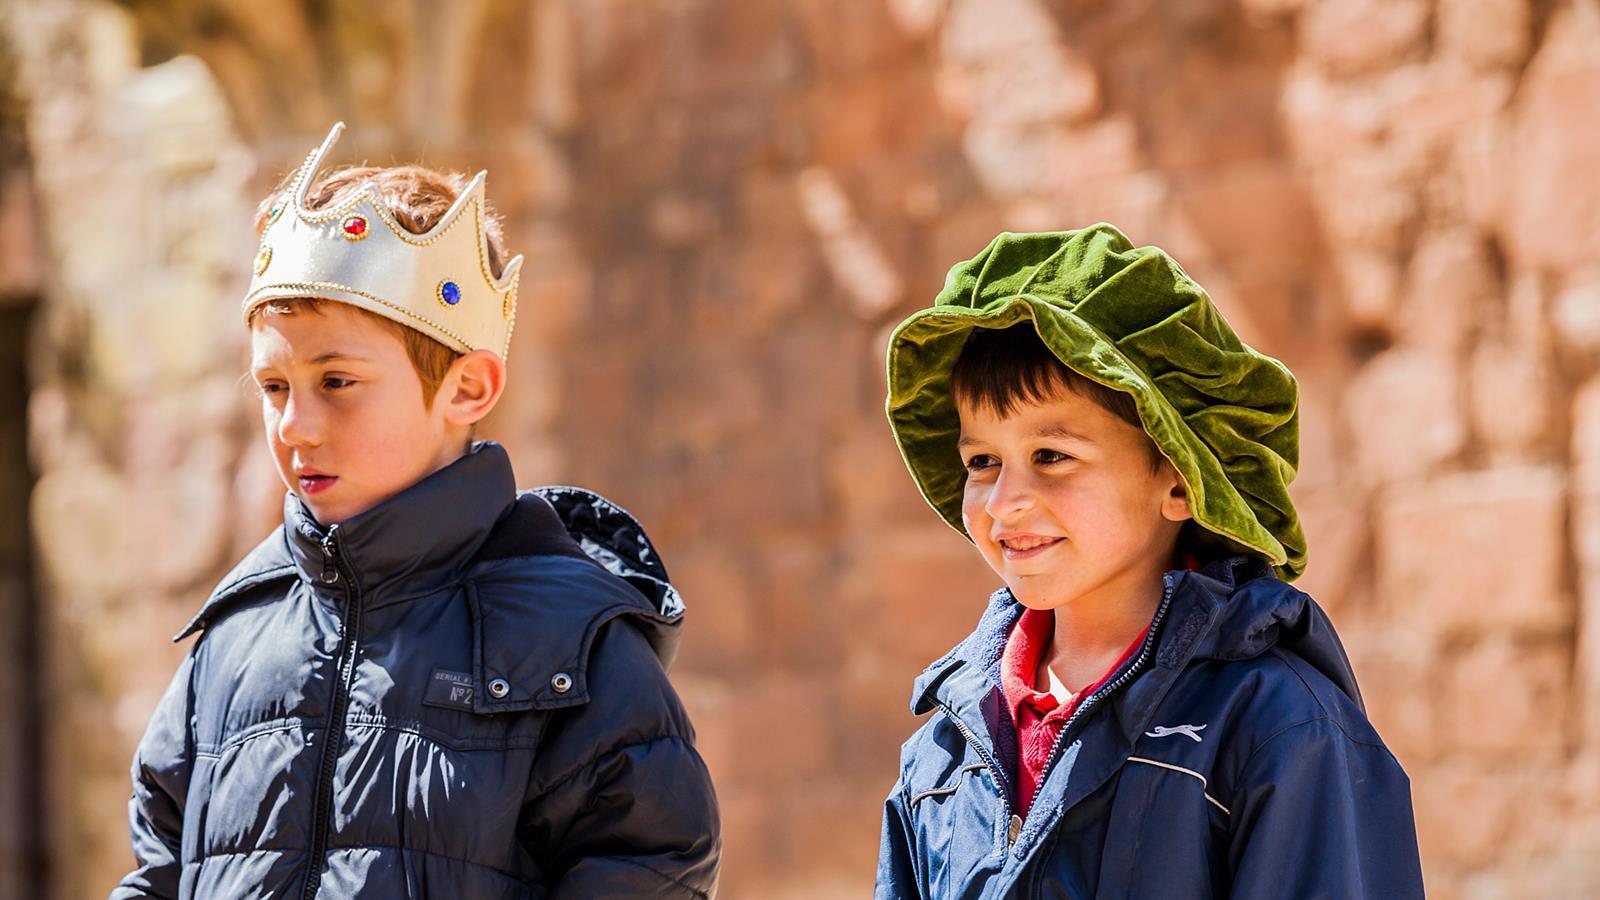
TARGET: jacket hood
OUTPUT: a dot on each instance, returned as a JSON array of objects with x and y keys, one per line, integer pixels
[
  {"x": 468, "y": 516},
  {"x": 1233, "y": 609},
  {"x": 1131, "y": 319},
  {"x": 609, "y": 535},
  {"x": 1240, "y": 611}
]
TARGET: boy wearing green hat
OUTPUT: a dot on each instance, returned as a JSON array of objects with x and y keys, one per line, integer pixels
[{"x": 1147, "y": 708}]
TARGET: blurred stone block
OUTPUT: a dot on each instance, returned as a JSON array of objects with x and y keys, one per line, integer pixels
[
  {"x": 1355, "y": 37},
  {"x": 1555, "y": 188},
  {"x": 1404, "y": 411},
  {"x": 1477, "y": 552}
]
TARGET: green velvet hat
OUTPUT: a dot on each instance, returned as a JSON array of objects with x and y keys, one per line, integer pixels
[{"x": 1131, "y": 319}]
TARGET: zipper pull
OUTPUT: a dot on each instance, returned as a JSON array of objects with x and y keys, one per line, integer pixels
[{"x": 330, "y": 552}]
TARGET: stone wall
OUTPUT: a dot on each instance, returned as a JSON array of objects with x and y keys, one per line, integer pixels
[{"x": 726, "y": 205}]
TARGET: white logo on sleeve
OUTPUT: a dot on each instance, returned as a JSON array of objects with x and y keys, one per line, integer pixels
[{"x": 1188, "y": 731}]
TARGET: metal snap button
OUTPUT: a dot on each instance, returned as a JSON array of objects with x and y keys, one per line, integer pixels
[
  {"x": 499, "y": 688},
  {"x": 562, "y": 682}
]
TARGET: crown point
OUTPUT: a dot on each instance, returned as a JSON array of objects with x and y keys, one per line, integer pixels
[
  {"x": 354, "y": 228},
  {"x": 449, "y": 292}
]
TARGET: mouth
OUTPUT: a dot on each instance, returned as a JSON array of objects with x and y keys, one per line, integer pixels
[
  {"x": 314, "y": 482},
  {"x": 1026, "y": 546}
]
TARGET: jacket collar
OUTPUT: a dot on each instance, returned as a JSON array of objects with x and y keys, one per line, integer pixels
[
  {"x": 1197, "y": 600},
  {"x": 416, "y": 541},
  {"x": 966, "y": 682},
  {"x": 618, "y": 567},
  {"x": 428, "y": 531}
]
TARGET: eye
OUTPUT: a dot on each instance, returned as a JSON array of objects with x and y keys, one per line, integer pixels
[
  {"x": 980, "y": 461},
  {"x": 1047, "y": 457},
  {"x": 270, "y": 388},
  {"x": 334, "y": 383}
]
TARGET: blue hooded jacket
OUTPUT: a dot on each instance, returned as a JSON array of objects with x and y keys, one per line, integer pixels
[{"x": 1230, "y": 756}]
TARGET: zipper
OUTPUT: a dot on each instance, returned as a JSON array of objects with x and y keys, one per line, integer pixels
[
  {"x": 988, "y": 760},
  {"x": 334, "y": 566},
  {"x": 330, "y": 568},
  {"x": 1110, "y": 688}
]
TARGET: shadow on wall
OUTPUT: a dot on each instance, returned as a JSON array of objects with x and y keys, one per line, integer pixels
[{"x": 24, "y": 864}]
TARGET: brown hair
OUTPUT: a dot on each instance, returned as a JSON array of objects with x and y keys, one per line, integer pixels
[
  {"x": 417, "y": 198},
  {"x": 1001, "y": 369}
]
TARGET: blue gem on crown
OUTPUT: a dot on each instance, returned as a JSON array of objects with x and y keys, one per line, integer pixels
[{"x": 449, "y": 292}]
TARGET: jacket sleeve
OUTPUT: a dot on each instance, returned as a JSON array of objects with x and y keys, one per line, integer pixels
[
  {"x": 622, "y": 804},
  {"x": 161, "y": 767},
  {"x": 896, "y": 872},
  {"x": 1321, "y": 814}
]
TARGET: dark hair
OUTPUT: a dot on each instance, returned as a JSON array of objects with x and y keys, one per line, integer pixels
[{"x": 1002, "y": 368}]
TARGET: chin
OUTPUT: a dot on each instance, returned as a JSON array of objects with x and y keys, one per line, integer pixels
[
  {"x": 324, "y": 517},
  {"x": 325, "y": 513},
  {"x": 1032, "y": 596}
]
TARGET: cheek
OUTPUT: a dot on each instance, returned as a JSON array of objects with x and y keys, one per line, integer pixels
[
  {"x": 269, "y": 422},
  {"x": 1142, "y": 501},
  {"x": 1113, "y": 512},
  {"x": 974, "y": 497},
  {"x": 397, "y": 431},
  {"x": 1066, "y": 496},
  {"x": 979, "y": 523},
  {"x": 1090, "y": 510}
]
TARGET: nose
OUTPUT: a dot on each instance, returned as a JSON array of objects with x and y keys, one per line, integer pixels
[
  {"x": 1013, "y": 493},
  {"x": 299, "y": 424}
]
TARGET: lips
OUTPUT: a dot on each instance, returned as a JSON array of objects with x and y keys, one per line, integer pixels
[
  {"x": 314, "y": 482},
  {"x": 1023, "y": 546}
]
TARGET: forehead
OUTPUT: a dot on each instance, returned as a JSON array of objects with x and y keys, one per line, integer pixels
[{"x": 306, "y": 334}]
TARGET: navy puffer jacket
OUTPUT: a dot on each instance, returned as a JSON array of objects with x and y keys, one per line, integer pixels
[
  {"x": 461, "y": 692},
  {"x": 1230, "y": 757}
]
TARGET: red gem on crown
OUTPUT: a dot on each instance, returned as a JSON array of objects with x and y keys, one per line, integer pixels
[{"x": 355, "y": 228}]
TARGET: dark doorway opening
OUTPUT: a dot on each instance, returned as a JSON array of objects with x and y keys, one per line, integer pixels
[
  {"x": 22, "y": 825},
  {"x": 24, "y": 858}
]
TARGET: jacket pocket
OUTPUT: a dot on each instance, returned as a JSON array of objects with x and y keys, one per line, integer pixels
[
  {"x": 464, "y": 731},
  {"x": 951, "y": 788},
  {"x": 954, "y": 819}
]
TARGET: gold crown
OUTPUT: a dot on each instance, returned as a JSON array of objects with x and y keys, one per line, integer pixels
[{"x": 438, "y": 282}]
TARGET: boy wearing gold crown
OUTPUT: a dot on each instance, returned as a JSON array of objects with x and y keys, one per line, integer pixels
[
  {"x": 424, "y": 683},
  {"x": 1147, "y": 709}
]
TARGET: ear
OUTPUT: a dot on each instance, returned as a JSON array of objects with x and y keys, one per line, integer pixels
[
  {"x": 1175, "y": 502},
  {"x": 471, "y": 387}
]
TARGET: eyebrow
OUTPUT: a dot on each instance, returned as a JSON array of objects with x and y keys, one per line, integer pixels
[
  {"x": 1048, "y": 431},
  {"x": 1057, "y": 431},
  {"x": 331, "y": 356}
]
